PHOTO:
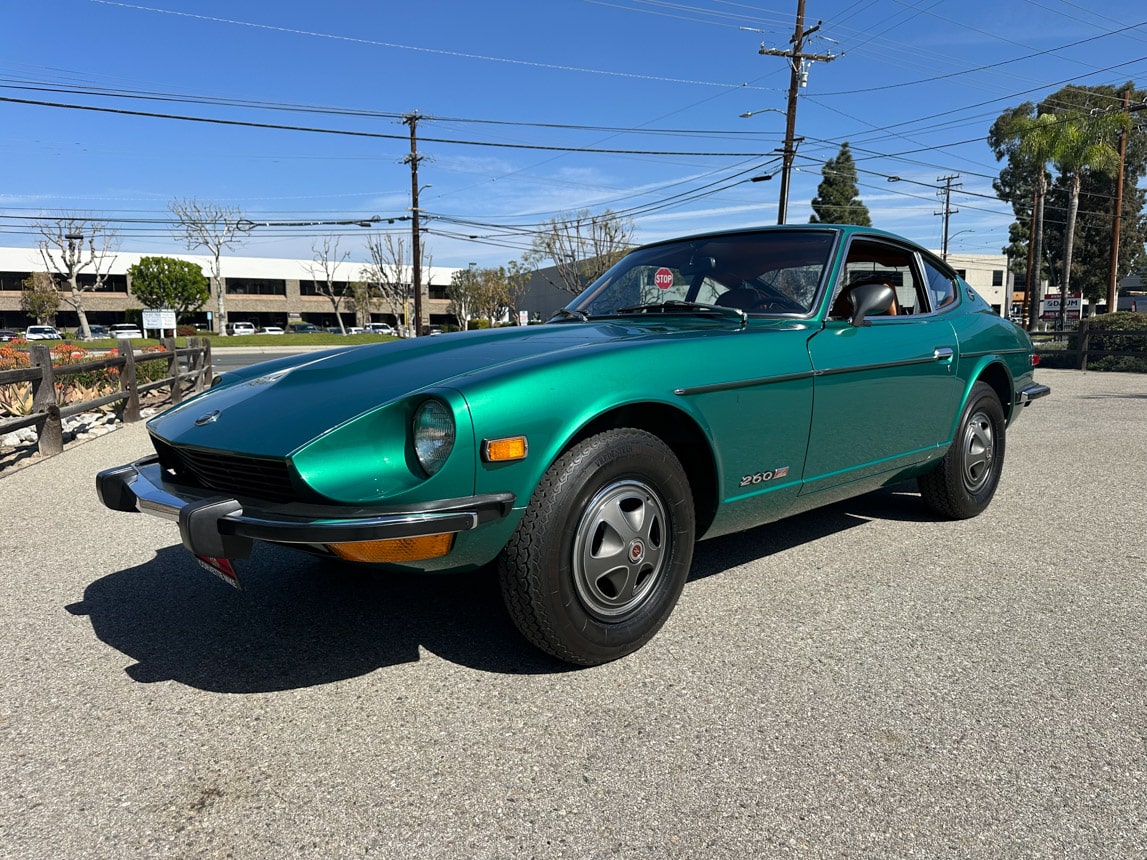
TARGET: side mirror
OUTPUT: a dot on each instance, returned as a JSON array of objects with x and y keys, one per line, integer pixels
[{"x": 868, "y": 299}]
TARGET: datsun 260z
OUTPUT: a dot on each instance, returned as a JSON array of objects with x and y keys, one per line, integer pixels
[{"x": 699, "y": 387}]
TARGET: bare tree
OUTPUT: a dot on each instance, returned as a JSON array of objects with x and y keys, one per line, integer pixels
[
  {"x": 518, "y": 275},
  {"x": 582, "y": 246},
  {"x": 323, "y": 270},
  {"x": 213, "y": 228},
  {"x": 389, "y": 272},
  {"x": 66, "y": 257}
]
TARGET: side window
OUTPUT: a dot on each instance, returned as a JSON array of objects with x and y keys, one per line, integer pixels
[
  {"x": 942, "y": 287},
  {"x": 870, "y": 261}
]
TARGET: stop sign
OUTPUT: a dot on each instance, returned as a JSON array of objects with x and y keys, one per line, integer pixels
[{"x": 663, "y": 278}]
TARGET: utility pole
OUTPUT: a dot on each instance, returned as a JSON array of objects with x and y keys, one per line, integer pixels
[
  {"x": 799, "y": 63},
  {"x": 412, "y": 159},
  {"x": 947, "y": 211}
]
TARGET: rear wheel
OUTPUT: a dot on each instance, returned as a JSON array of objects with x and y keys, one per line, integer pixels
[
  {"x": 600, "y": 558},
  {"x": 963, "y": 483}
]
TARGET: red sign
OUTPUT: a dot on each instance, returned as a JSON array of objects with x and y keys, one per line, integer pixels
[{"x": 663, "y": 278}]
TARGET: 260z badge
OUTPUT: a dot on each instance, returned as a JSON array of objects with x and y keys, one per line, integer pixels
[{"x": 762, "y": 477}]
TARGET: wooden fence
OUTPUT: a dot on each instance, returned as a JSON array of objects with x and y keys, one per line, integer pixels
[
  {"x": 1085, "y": 349},
  {"x": 47, "y": 413}
]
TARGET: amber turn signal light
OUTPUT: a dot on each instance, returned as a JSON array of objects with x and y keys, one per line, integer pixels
[
  {"x": 503, "y": 450},
  {"x": 396, "y": 550}
]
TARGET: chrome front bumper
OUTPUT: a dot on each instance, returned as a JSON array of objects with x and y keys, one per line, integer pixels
[{"x": 216, "y": 526}]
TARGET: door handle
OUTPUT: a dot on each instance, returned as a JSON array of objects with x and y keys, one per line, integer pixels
[{"x": 943, "y": 353}]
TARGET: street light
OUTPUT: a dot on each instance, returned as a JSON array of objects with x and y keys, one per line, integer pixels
[
  {"x": 788, "y": 152},
  {"x": 947, "y": 240},
  {"x": 750, "y": 113}
]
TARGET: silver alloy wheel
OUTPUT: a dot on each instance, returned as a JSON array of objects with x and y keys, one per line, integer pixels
[
  {"x": 979, "y": 452},
  {"x": 620, "y": 549}
]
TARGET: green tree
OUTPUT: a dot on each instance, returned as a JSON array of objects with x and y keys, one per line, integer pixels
[
  {"x": 40, "y": 299},
  {"x": 479, "y": 293},
  {"x": 1091, "y": 252},
  {"x": 165, "y": 282},
  {"x": 837, "y": 198}
]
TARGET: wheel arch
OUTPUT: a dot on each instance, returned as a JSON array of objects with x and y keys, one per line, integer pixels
[
  {"x": 681, "y": 432},
  {"x": 996, "y": 374}
]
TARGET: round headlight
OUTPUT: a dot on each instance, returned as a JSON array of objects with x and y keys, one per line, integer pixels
[{"x": 433, "y": 435}]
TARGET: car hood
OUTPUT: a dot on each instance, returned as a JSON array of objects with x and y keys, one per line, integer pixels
[{"x": 274, "y": 408}]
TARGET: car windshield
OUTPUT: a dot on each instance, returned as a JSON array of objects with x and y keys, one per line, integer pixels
[{"x": 765, "y": 273}]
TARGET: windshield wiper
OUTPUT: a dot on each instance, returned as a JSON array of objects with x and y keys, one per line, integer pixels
[
  {"x": 566, "y": 314},
  {"x": 676, "y": 306}
]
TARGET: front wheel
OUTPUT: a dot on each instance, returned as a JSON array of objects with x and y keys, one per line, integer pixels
[
  {"x": 597, "y": 563},
  {"x": 963, "y": 483}
]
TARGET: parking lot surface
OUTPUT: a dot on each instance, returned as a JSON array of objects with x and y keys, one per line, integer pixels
[{"x": 862, "y": 681}]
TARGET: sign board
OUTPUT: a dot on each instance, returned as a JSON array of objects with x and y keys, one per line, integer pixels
[
  {"x": 1049, "y": 307},
  {"x": 158, "y": 319},
  {"x": 523, "y": 317},
  {"x": 663, "y": 278}
]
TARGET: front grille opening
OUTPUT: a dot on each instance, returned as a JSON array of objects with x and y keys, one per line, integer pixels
[{"x": 233, "y": 474}]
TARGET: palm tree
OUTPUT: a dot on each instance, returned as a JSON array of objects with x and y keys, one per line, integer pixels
[
  {"x": 1075, "y": 143},
  {"x": 1083, "y": 143},
  {"x": 1033, "y": 139}
]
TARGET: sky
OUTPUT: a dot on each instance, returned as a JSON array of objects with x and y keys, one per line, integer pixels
[{"x": 293, "y": 112}]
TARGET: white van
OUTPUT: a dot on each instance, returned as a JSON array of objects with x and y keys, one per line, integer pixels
[{"x": 128, "y": 330}]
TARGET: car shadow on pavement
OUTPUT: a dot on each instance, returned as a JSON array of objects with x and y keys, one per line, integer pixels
[
  {"x": 302, "y": 621},
  {"x": 299, "y": 621}
]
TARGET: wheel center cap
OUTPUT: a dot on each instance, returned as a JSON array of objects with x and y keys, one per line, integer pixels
[{"x": 636, "y": 551}]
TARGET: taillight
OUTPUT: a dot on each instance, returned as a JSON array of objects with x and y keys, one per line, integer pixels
[{"x": 1035, "y": 359}]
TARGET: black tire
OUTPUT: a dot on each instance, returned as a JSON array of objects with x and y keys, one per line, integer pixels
[
  {"x": 963, "y": 483},
  {"x": 597, "y": 563}
]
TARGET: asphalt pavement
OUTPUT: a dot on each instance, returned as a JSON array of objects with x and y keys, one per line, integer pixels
[{"x": 862, "y": 681}]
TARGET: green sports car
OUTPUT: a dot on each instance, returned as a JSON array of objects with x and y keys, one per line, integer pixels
[{"x": 699, "y": 387}]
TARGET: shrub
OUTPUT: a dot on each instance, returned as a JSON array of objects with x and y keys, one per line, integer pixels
[{"x": 1135, "y": 341}]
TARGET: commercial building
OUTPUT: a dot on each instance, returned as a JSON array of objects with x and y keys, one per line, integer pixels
[{"x": 262, "y": 290}]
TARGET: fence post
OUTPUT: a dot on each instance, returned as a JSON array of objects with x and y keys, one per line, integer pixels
[
  {"x": 1082, "y": 344},
  {"x": 127, "y": 383},
  {"x": 49, "y": 430},
  {"x": 173, "y": 370},
  {"x": 205, "y": 368}
]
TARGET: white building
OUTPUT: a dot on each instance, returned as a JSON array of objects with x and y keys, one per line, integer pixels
[{"x": 262, "y": 290}]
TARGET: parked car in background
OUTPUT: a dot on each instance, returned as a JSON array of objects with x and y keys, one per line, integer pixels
[
  {"x": 97, "y": 332},
  {"x": 699, "y": 387},
  {"x": 128, "y": 330},
  {"x": 271, "y": 329},
  {"x": 354, "y": 329},
  {"x": 42, "y": 332},
  {"x": 303, "y": 328},
  {"x": 6, "y": 334},
  {"x": 239, "y": 328},
  {"x": 380, "y": 328}
]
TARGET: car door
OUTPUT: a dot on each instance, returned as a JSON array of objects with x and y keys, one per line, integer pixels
[{"x": 884, "y": 391}]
